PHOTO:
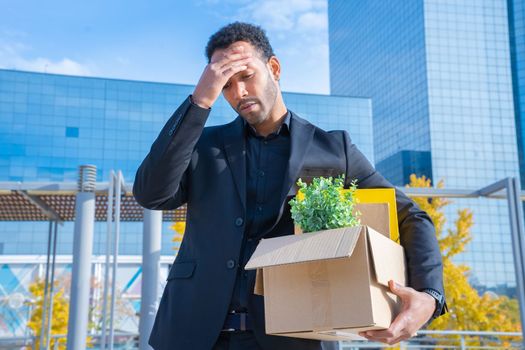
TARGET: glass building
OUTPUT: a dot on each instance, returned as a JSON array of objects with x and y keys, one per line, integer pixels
[
  {"x": 439, "y": 75},
  {"x": 517, "y": 49},
  {"x": 51, "y": 124}
]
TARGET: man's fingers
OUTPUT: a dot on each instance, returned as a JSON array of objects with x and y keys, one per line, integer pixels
[
  {"x": 396, "y": 329},
  {"x": 398, "y": 339},
  {"x": 223, "y": 58},
  {"x": 399, "y": 290},
  {"x": 230, "y": 64},
  {"x": 232, "y": 58},
  {"x": 406, "y": 323},
  {"x": 234, "y": 68},
  {"x": 394, "y": 339}
]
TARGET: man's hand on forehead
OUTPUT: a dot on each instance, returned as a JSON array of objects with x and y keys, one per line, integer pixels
[
  {"x": 223, "y": 65},
  {"x": 230, "y": 61}
]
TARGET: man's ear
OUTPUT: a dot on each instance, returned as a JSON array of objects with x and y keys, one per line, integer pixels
[{"x": 275, "y": 67}]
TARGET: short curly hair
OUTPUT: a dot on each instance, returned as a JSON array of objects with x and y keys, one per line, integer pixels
[{"x": 239, "y": 31}]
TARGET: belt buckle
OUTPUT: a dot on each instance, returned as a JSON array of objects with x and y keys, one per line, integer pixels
[{"x": 243, "y": 321}]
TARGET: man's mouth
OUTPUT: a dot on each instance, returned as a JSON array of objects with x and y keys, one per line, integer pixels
[{"x": 247, "y": 106}]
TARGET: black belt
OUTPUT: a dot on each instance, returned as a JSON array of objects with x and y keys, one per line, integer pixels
[{"x": 237, "y": 321}]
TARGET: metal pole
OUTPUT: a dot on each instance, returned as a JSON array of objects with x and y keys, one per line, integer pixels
[
  {"x": 82, "y": 250},
  {"x": 109, "y": 214},
  {"x": 150, "y": 274},
  {"x": 51, "y": 287},
  {"x": 119, "y": 184},
  {"x": 518, "y": 243},
  {"x": 44, "y": 301},
  {"x": 97, "y": 297}
]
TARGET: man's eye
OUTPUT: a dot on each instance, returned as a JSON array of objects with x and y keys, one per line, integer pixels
[{"x": 248, "y": 76}]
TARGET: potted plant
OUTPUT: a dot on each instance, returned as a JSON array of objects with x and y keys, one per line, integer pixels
[{"x": 324, "y": 204}]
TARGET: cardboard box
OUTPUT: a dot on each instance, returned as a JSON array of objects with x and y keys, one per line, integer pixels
[{"x": 331, "y": 284}]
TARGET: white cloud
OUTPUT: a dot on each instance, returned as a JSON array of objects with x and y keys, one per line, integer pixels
[
  {"x": 313, "y": 21},
  {"x": 298, "y": 31},
  {"x": 16, "y": 55},
  {"x": 277, "y": 15}
]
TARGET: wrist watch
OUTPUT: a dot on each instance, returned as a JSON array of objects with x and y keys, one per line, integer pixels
[{"x": 440, "y": 301}]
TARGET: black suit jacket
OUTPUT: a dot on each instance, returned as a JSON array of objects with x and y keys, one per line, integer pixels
[{"x": 206, "y": 169}]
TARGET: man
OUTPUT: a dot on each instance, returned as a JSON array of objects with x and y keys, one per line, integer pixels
[{"x": 236, "y": 180}]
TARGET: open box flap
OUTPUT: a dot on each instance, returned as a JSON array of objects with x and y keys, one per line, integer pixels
[
  {"x": 388, "y": 258},
  {"x": 328, "y": 244}
]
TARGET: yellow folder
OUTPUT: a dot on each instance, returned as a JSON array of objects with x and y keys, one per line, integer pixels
[{"x": 382, "y": 195}]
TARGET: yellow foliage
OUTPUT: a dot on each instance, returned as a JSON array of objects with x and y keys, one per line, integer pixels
[
  {"x": 179, "y": 227},
  {"x": 60, "y": 314},
  {"x": 467, "y": 309}
]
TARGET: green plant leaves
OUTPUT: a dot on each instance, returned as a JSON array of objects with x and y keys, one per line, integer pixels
[{"x": 324, "y": 205}]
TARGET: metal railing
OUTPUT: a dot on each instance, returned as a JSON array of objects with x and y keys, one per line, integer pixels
[
  {"x": 458, "y": 340},
  {"x": 122, "y": 341}
]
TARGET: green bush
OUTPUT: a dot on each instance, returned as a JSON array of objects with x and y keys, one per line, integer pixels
[{"x": 322, "y": 205}]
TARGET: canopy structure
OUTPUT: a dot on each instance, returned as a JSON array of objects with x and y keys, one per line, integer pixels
[
  {"x": 23, "y": 201},
  {"x": 44, "y": 201}
]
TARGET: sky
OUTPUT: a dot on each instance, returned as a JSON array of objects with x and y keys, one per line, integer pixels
[{"x": 161, "y": 41}]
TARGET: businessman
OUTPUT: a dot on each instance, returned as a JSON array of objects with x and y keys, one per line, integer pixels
[{"x": 236, "y": 180}]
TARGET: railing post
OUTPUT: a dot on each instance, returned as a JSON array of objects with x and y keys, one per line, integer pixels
[
  {"x": 43, "y": 329},
  {"x": 151, "y": 245},
  {"x": 109, "y": 215},
  {"x": 119, "y": 184},
  {"x": 518, "y": 243},
  {"x": 82, "y": 249}
]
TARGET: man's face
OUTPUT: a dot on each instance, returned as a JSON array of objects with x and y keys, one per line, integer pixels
[{"x": 252, "y": 92}]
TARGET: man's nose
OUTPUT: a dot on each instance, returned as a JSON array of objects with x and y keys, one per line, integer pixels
[{"x": 240, "y": 91}]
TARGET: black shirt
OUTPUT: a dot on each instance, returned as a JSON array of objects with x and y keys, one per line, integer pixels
[{"x": 266, "y": 163}]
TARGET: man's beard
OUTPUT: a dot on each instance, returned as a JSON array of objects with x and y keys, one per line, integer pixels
[{"x": 257, "y": 117}]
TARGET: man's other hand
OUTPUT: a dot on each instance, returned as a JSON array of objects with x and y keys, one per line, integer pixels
[
  {"x": 417, "y": 308},
  {"x": 223, "y": 65}
]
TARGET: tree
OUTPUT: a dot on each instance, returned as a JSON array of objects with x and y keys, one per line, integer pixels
[
  {"x": 59, "y": 315},
  {"x": 468, "y": 310},
  {"x": 179, "y": 227}
]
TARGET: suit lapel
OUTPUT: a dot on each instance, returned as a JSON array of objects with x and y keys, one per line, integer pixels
[
  {"x": 235, "y": 149},
  {"x": 301, "y": 134}
]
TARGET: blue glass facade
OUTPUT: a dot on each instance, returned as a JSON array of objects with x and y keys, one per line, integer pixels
[
  {"x": 51, "y": 124},
  {"x": 393, "y": 68},
  {"x": 439, "y": 76},
  {"x": 402, "y": 164},
  {"x": 517, "y": 46}
]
